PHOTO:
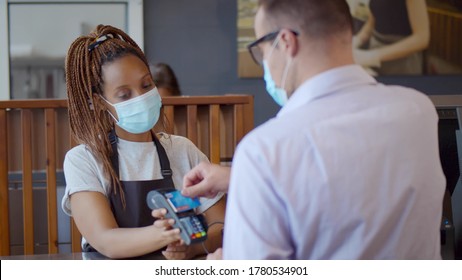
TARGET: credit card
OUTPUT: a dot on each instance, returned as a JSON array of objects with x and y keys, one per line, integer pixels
[{"x": 181, "y": 203}]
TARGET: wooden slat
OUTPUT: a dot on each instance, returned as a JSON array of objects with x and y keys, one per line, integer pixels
[
  {"x": 238, "y": 124},
  {"x": 27, "y": 195},
  {"x": 192, "y": 123},
  {"x": 34, "y": 103},
  {"x": 206, "y": 100},
  {"x": 4, "y": 201},
  {"x": 76, "y": 238},
  {"x": 169, "y": 114},
  {"x": 248, "y": 115},
  {"x": 50, "y": 123},
  {"x": 214, "y": 133}
]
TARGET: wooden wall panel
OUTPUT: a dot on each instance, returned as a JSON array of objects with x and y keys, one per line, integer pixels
[{"x": 35, "y": 136}]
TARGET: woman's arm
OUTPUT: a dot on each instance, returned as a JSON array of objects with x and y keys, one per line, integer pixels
[
  {"x": 95, "y": 221},
  {"x": 363, "y": 36},
  {"x": 420, "y": 38}
]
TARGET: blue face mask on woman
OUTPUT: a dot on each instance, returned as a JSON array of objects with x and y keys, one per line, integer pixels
[
  {"x": 139, "y": 114},
  {"x": 279, "y": 94}
]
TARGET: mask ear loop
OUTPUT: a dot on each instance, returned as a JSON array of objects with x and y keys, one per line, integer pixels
[
  {"x": 286, "y": 72},
  {"x": 109, "y": 112},
  {"x": 273, "y": 46}
]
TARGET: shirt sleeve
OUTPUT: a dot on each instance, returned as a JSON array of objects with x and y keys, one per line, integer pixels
[
  {"x": 81, "y": 174},
  {"x": 256, "y": 223}
]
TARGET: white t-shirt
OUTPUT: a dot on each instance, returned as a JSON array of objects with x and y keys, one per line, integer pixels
[{"x": 138, "y": 161}]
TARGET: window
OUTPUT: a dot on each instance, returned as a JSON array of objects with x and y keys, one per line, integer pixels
[{"x": 35, "y": 36}]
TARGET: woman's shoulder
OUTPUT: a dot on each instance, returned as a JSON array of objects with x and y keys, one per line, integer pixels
[
  {"x": 176, "y": 141},
  {"x": 79, "y": 149},
  {"x": 179, "y": 146},
  {"x": 79, "y": 152}
]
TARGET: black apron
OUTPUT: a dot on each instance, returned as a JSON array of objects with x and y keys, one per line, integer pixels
[{"x": 136, "y": 212}]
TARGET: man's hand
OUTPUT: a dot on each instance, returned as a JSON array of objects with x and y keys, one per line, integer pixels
[{"x": 206, "y": 180}]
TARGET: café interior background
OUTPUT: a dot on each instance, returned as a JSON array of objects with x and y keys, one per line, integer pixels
[{"x": 199, "y": 41}]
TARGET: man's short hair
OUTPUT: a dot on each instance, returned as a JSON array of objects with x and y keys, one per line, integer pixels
[{"x": 315, "y": 18}]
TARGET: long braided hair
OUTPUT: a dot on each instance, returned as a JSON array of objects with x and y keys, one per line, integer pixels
[{"x": 89, "y": 121}]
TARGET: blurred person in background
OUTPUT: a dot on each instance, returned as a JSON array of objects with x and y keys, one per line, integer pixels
[
  {"x": 393, "y": 36},
  {"x": 165, "y": 80}
]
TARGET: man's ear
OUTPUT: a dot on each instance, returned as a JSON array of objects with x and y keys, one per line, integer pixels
[{"x": 289, "y": 42}]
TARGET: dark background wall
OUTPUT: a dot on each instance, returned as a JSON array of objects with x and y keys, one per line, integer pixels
[{"x": 198, "y": 39}]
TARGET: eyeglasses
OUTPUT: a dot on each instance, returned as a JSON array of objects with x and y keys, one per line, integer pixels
[{"x": 256, "y": 52}]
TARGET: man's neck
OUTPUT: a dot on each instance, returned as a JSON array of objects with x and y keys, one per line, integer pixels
[
  {"x": 311, "y": 65},
  {"x": 318, "y": 59}
]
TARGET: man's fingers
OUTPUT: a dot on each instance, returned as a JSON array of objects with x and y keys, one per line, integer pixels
[
  {"x": 191, "y": 178},
  {"x": 191, "y": 191},
  {"x": 200, "y": 189},
  {"x": 194, "y": 176}
]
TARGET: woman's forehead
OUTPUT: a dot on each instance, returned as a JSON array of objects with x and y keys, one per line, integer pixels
[{"x": 129, "y": 67}]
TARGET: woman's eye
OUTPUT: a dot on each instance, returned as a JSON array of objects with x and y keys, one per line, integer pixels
[
  {"x": 124, "y": 95},
  {"x": 149, "y": 85}
]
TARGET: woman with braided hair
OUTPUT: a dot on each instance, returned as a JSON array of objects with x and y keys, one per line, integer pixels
[{"x": 113, "y": 108}]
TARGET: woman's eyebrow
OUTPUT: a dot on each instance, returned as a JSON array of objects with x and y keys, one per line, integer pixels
[{"x": 123, "y": 86}]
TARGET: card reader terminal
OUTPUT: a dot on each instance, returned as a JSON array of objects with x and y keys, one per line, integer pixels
[{"x": 193, "y": 227}]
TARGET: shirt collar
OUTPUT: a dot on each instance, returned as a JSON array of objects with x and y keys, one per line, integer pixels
[{"x": 325, "y": 83}]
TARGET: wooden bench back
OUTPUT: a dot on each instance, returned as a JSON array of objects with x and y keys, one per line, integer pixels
[{"x": 35, "y": 135}]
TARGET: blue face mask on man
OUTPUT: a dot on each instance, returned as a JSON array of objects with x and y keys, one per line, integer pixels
[
  {"x": 279, "y": 94},
  {"x": 139, "y": 114}
]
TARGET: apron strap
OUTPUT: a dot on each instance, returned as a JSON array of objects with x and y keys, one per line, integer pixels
[
  {"x": 165, "y": 170},
  {"x": 115, "y": 153}
]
